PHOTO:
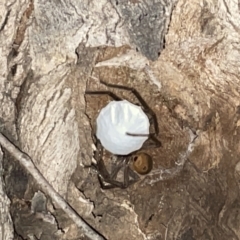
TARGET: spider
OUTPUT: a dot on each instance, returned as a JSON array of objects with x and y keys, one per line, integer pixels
[{"x": 134, "y": 163}]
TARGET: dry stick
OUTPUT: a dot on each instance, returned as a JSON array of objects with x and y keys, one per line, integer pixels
[
  {"x": 138, "y": 134},
  {"x": 26, "y": 161}
]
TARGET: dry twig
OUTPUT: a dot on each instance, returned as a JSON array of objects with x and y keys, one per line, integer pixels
[{"x": 26, "y": 161}]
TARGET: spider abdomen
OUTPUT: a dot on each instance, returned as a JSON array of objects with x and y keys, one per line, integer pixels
[
  {"x": 117, "y": 119},
  {"x": 142, "y": 163}
]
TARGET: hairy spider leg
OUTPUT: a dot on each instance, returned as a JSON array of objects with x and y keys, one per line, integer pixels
[
  {"x": 103, "y": 174},
  {"x": 107, "y": 180},
  {"x": 100, "y": 164},
  {"x": 109, "y": 93},
  {"x": 146, "y": 108},
  {"x": 151, "y": 137},
  {"x": 128, "y": 172},
  {"x": 152, "y": 142}
]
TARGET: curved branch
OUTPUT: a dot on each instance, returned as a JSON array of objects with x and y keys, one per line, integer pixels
[{"x": 27, "y": 163}]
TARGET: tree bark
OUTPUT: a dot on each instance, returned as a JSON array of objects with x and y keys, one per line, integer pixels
[
  {"x": 6, "y": 227},
  {"x": 181, "y": 56}
]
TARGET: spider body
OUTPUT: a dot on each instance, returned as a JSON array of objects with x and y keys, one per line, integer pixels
[
  {"x": 124, "y": 132},
  {"x": 142, "y": 163}
]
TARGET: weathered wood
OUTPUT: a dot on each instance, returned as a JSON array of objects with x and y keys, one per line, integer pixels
[
  {"x": 27, "y": 163},
  {"x": 51, "y": 51},
  {"x": 6, "y": 227}
]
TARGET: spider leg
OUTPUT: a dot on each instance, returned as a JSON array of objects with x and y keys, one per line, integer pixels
[
  {"x": 117, "y": 168},
  {"x": 129, "y": 176},
  {"x": 109, "y": 93},
  {"x": 108, "y": 180},
  {"x": 124, "y": 163},
  {"x": 152, "y": 142},
  {"x": 109, "y": 183},
  {"x": 100, "y": 166},
  {"x": 128, "y": 172},
  {"x": 146, "y": 108}
]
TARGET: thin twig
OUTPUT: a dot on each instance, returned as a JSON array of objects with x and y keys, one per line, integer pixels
[
  {"x": 27, "y": 163},
  {"x": 137, "y": 134}
]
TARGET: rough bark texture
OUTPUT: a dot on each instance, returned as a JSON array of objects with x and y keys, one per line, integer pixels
[
  {"x": 51, "y": 51},
  {"x": 6, "y": 228}
]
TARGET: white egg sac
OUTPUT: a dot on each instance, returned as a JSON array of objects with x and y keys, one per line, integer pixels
[{"x": 116, "y": 120}]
